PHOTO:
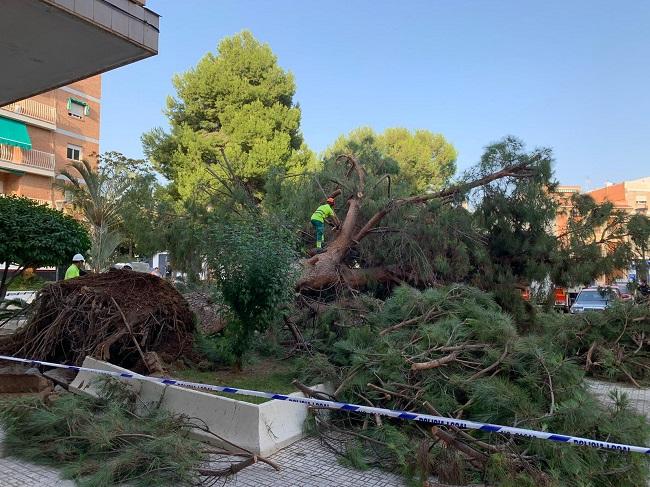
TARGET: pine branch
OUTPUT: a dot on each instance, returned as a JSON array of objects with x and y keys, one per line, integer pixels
[
  {"x": 489, "y": 369},
  {"x": 510, "y": 171},
  {"x": 435, "y": 363}
]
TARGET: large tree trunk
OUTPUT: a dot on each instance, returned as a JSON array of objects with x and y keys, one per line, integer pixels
[
  {"x": 322, "y": 270},
  {"x": 326, "y": 270}
]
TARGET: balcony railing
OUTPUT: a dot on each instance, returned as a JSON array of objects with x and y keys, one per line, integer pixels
[
  {"x": 33, "y": 109},
  {"x": 41, "y": 201},
  {"x": 31, "y": 158}
]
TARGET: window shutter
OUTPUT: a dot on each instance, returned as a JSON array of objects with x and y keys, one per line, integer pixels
[
  {"x": 69, "y": 104},
  {"x": 86, "y": 110}
]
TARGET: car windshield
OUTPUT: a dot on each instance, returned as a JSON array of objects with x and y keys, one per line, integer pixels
[{"x": 593, "y": 297}]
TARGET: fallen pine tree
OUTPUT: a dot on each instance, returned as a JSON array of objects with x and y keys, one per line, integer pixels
[
  {"x": 114, "y": 440},
  {"x": 116, "y": 316},
  {"x": 325, "y": 270},
  {"x": 452, "y": 351},
  {"x": 449, "y": 348},
  {"x": 612, "y": 345}
]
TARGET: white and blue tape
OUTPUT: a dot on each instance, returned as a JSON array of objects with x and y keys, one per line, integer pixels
[{"x": 410, "y": 416}]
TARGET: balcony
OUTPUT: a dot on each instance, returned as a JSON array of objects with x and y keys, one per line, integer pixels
[
  {"x": 42, "y": 202},
  {"x": 31, "y": 112},
  {"x": 31, "y": 161},
  {"x": 52, "y": 43}
]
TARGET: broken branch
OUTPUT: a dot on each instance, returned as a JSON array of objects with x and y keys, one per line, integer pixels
[
  {"x": 489, "y": 369},
  {"x": 435, "y": 363}
]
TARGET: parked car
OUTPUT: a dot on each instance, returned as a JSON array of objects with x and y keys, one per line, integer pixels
[
  {"x": 595, "y": 299},
  {"x": 626, "y": 293}
]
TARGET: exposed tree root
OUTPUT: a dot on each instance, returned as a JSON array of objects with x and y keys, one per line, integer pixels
[{"x": 118, "y": 316}]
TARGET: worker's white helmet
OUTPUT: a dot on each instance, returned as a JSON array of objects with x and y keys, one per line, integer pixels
[{"x": 78, "y": 258}]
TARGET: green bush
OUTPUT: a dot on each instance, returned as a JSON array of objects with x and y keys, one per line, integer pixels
[
  {"x": 33, "y": 235},
  {"x": 252, "y": 263},
  {"x": 215, "y": 348}
]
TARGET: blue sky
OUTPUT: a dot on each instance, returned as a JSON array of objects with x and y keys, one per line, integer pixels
[{"x": 571, "y": 75}]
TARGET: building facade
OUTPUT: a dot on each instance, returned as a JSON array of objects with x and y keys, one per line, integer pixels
[
  {"x": 39, "y": 136},
  {"x": 628, "y": 196},
  {"x": 631, "y": 196},
  {"x": 563, "y": 195}
]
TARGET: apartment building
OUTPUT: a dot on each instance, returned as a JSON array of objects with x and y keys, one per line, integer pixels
[
  {"x": 40, "y": 135},
  {"x": 631, "y": 196},
  {"x": 563, "y": 195}
]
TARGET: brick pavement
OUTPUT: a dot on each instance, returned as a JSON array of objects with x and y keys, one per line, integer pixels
[
  {"x": 16, "y": 473},
  {"x": 639, "y": 398},
  {"x": 306, "y": 463}
]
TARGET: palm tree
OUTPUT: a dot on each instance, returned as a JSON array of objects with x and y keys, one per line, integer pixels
[{"x": 97, "y": 195}]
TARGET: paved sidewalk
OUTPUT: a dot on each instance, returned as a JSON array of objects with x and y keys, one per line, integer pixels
[
  {"x": 17, "y": 473},
  {"x": 639, "y": 398},
  {"x": 308, "y": 463},
  {"x": 305, "y": 463}
]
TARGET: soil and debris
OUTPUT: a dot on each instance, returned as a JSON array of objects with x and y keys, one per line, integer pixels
[
  {"x": 117, "y": 316},
  {"x": 18, "y": 380}
]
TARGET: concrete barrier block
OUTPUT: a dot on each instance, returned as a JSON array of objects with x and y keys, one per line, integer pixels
[
  {"x": 86, "y": 382},
  {"x": 259, "y": 428}
]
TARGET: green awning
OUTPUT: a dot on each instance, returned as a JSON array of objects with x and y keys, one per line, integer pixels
[
  {"x": 14, "y": 133},
  {"x": 79, "y": 102},
  {"x": 12, "y": 171}
]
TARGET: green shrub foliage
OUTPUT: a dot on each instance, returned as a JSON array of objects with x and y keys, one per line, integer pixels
[{"x": 252, "y": 261}]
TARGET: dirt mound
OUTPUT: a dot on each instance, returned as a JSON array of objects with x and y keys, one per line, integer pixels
[{"x": 115, "y": 316}]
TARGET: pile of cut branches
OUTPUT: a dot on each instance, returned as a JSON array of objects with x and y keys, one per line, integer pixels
[
  {"x": 116, "y": 316},
  {"x": 612, "y": 345},
  {"x": 451, "y": 351},
  {"x": 109, "y": 441}
]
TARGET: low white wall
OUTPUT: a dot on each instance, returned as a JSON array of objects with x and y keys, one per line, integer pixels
[{"x": 259, "y": 428}]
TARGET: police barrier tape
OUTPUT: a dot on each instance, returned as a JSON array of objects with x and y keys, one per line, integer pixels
[{"x": 425, "y": 418}]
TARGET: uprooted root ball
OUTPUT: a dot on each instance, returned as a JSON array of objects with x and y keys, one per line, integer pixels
[{"x": 104, "y": 315}]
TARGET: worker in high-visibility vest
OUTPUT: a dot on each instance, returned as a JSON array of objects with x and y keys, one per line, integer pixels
[
  {"x": 322, "y": 213},
  {"x": 75, "y": 268}
]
